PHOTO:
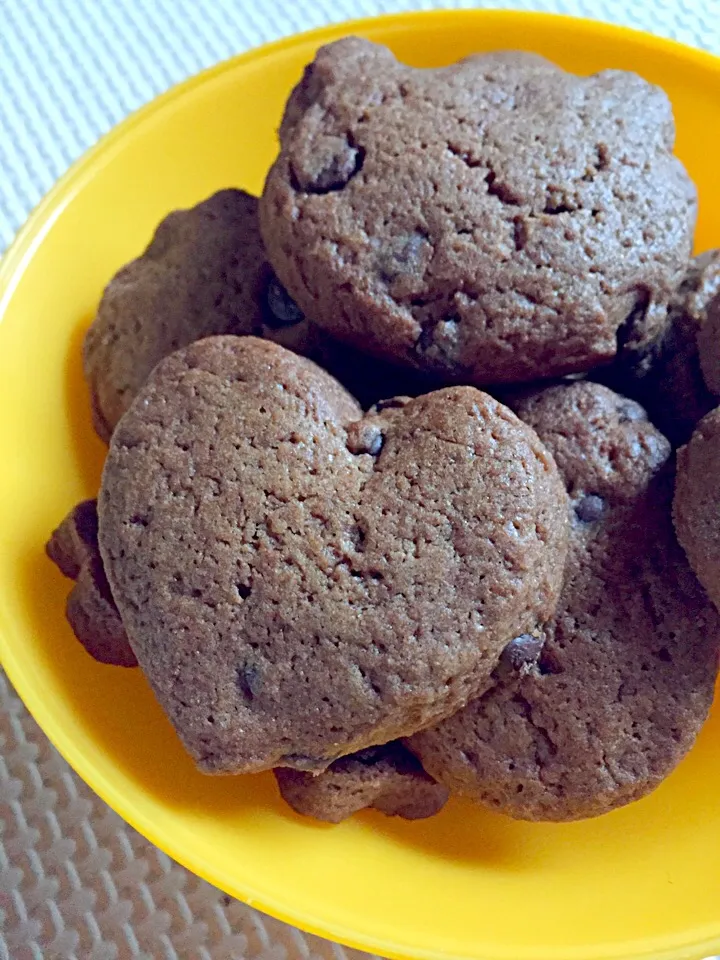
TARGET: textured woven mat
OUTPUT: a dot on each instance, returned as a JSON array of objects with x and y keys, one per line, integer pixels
[{"x": 75, "y": 881}]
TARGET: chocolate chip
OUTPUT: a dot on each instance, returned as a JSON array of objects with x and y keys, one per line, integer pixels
[
  {"x": 549, "y": 664},
  {"x": 631, "y": 331},
  {"x": 426, "y": 339},
  {"x": 402, "y": 255},
  {"x": 248, "y": 680},
  {"x": 282, "y": 310},
  {"x": 590, "y": 509},
  {"x": 365, "y": 437},
  {"x": 244, "y": 590},
  {"x": 328, "y": 164},
  {"x": 523, "y": 652},
  {"x": 391, "y": 403}
]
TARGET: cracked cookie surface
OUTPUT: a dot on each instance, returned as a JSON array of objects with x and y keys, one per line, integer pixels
[
  {"x": 298, "y": 580},
  {"x": 497, "y": 220},
  {"x": 626, "y": 675}
]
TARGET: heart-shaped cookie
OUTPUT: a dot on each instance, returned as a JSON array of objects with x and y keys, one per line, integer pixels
[{"x": 300, "y": 581}]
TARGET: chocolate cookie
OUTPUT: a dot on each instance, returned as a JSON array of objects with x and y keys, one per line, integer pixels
[
  {"x": 627, "y": 671},
  {"x": 205, "y": 273},
  {"x": 494, "y": 221},
  {"x": 90, "y": 609},
  {"x": 300, "y": 581},
  {"x": 677, "y": 376},
  {"x": 387, "y": 778},
  {"x": 696, "y": 507}
]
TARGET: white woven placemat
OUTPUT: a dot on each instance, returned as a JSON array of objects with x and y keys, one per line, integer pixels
[{"x": 75, "y": 882}]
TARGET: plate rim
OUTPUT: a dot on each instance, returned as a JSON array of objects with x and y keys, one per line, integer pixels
[{"x": 12, "y": 266}]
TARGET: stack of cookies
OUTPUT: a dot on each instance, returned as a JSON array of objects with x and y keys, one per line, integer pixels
[{"x": 383, "y": 510}]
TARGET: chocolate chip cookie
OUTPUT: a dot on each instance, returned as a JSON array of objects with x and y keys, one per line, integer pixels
[
  {"x": 626, "y": 672},
  {"x": 696, "y": 507},
  {"x": 498, "y": 220},
  {"x": 387, "y": 778},
  {"x": 300, "y": 581},
  {"x": 90, "y": 608}
]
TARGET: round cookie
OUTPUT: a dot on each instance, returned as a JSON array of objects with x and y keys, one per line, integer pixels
[
  {"x": 387, "y": 778},
  {"x": 627, "y": 671},
  {"x": 696, "y": 507},
  {"x": 90, "y": 608},
  {"x": 498, "y": 220},
  {"x": 299, "y": 581},
  {"x": 677, "y": 377},
  {"x": 205, "y": 273}
]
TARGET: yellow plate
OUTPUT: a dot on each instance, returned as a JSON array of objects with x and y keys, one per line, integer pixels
[{"x": 642, "y": 882}]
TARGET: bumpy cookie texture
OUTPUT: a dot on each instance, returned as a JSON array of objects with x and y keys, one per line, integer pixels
[
  {"x": 696, "y": 507},
  {"x": 91, "y": 610},
  {"x": 626, "y": 675},
  {"x": 677, "y": 376},
  {"x": 604, "y": 445},
  {"x": 497, "y": 220},
  {"x": 274, "y": 554},
  {"x": 202, "y": 274},
  {"x": 387, "y": 778}
]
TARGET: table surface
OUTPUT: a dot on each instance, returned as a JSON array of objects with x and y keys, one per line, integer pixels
[{"x": 75, "y": 881}]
